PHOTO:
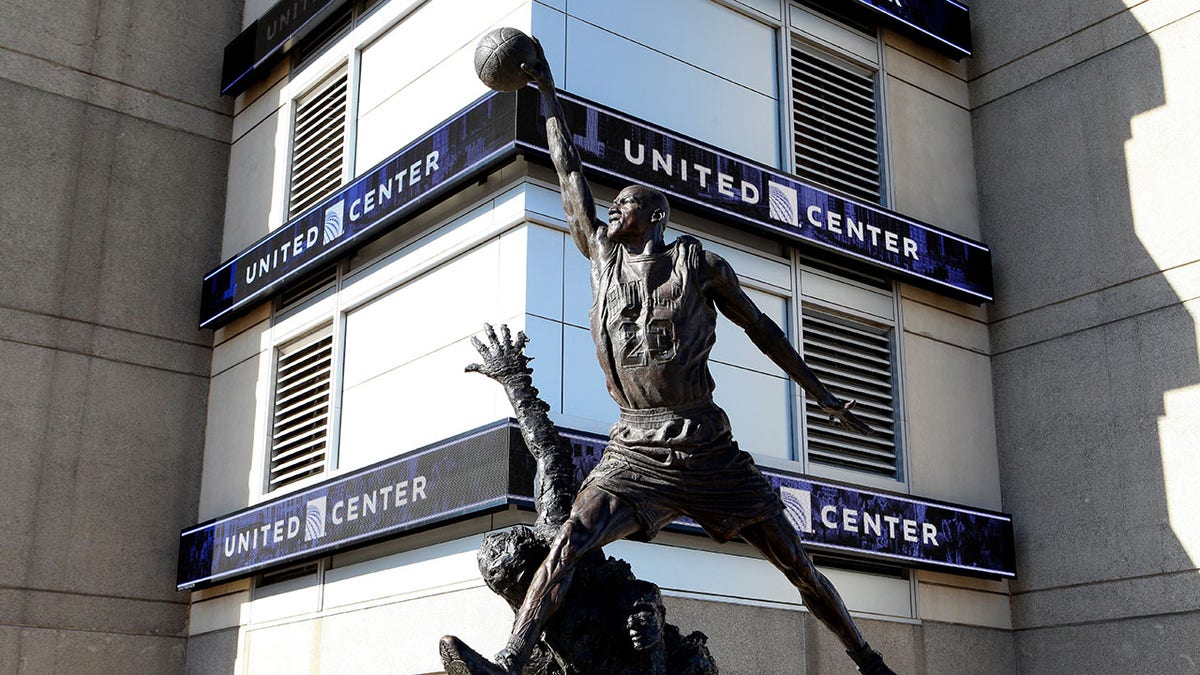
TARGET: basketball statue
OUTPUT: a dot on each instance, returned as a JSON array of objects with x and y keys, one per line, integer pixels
[{"x": 671, "y": 452}]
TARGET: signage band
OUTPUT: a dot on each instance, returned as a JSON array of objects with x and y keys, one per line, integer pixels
[
  {"x": 489, "y": 468},
  {"x": 614, "y": 147}
]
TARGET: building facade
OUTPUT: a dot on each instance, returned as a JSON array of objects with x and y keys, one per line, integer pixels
[
  {"x": 990, "y": 254},
  {"x": 361, "y": 363}
]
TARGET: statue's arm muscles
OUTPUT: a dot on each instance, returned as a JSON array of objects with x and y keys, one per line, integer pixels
[
  {"x": 578, "y": 203},
  {"x": 726, "y": 292}
]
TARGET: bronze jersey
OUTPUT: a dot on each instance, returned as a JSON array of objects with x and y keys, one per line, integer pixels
[{"x": 653, "y": 325}]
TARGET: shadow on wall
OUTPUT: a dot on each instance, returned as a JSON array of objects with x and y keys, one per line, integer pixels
[{"x": 1094, "y": 352}]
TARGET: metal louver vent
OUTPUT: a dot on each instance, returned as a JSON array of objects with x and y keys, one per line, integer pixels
[
  {"x": 318, "y": 146},
  {"x": 837, "y": 130},
  {"x": 300, "y": 427},
  {"x": 854, "y": 361}
]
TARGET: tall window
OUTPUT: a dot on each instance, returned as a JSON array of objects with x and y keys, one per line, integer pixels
[
  {"x": 302, "y": 410},
  {"x": 836, "y": 140},
  {"x": 318, "y": 143},
  {"x": 835, "y": 118}
]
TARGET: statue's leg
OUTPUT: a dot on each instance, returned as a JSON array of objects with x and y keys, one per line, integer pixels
[
  {"x": 776, "y": 540},
  {"x": 597, "y": 518}
]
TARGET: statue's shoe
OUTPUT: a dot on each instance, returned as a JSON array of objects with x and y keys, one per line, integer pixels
[
  {"x": 869, "y": 662},
  {"x": 459, "y": 659}
]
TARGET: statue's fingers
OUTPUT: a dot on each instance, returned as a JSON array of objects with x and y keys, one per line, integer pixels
[
  {"x": 505, "y": 337},
  {"x": 522, "y": 339},
  {"x": 491, "y": 335},
  {"x": 483, "y": 351},
  {"x": 473, "y": 368}
]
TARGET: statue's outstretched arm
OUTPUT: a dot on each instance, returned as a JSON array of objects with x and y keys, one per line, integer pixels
[{"x": 504, "y": 361}]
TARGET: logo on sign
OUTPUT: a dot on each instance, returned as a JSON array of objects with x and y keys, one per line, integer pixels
[
  {"x": 784, "y": 203},
  {"x": 334, "y": 226},
  {"x": 314, "y": 519},
  {"x": 797, "y": 507}
]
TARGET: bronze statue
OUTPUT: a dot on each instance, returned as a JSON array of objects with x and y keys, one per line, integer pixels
[
  {"x": 611, "y": 621},
  {"x": 671, "y": 452}
]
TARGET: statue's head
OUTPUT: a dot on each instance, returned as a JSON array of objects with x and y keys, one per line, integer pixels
[
  {"x": 508, "y": 559},
  {"x": 638, "y": 214}
]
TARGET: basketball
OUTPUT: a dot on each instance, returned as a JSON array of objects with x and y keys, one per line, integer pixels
[{"x": 499, "y": 56}]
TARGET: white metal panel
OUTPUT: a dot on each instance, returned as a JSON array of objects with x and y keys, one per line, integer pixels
[
  {"x": 757, "y": 406},
  {"x": 734, "y": 346},
  {"x": 577, "y": 285},
  {"x": 585, "y": 393},
  {"x": 425, "y": 39},
  {"x": 544, "y": 286},
  {"x": 739, "y": 578},
  {"x": 849, "y": 296},
  {"x": 823, "y": 31},
  {"x": 700, "y": 32},
  {"x": 447, "y": 304},
  {"x": 546, "y": 345},
  {"x": 419, "y": 403},
  {"x": 669, "y": 92}
]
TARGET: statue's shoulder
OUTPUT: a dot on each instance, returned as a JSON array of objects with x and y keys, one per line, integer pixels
[{"x": 689, "y": 250}]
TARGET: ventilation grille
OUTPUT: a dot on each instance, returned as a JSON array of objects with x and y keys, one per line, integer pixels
[
  {"x": 300, "y": 428},
  {"x": 319, "y": 146},
  {"x": 854, "y": 361},
  {"x": 307, "y": 287},
  {"x": 837, "y": 133}
]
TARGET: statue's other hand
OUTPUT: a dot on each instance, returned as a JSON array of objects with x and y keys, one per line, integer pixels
[
  {"x": 840, "y": 413},
  {"x": 502, "y": 356}
]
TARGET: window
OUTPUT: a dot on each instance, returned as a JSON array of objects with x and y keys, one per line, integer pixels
[
  {"x": 318, "y": 143},
  {"x": 835, "y": 120},
  {"x": 301, "y": 419},
  {"x": 848, "y": 335}
]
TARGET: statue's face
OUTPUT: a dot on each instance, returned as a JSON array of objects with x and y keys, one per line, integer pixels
[{"x": 633, "y": 217}]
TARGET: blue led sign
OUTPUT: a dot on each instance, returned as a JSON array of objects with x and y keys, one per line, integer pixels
[
  {"x": 943, "y": 25},
  {"x": 489, "y": 469},
  {"x": 759, "y": 198},
  {"x": 268, "y": 38}
]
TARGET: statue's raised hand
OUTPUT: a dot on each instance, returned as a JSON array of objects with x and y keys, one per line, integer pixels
[{"x": 503, "y": 357}]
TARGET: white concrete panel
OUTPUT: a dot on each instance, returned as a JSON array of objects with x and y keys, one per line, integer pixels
[
  {"x": 251, "y": 189},
  {"x": 419, "y": 403},
  {"x": 700, "y": 32},
  {"x": 964, "y": 606},
  {"x": 945, "y": 326},
  {"x": 425, "y": 39},
  {"x": 544, "y": 286},
  {"x": 734, "y": 346},
  {"x": 648, "y": 84},
  {"x": 546, "y": 345},
  {"x": 224, "y": 611},
  {"x": 445, "y": 305},
  {"x": 230, "y": 479},
  {"x": 423, "y": 570},
  {"x": 285, "y": 649},
  {"x": 757, "y": 406},
  {"x": 404, "y": 635},
  {"x": 952, "y": 442},
  {"x": 286, "y": 599},
  {"x": 585, "y": 393}
]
